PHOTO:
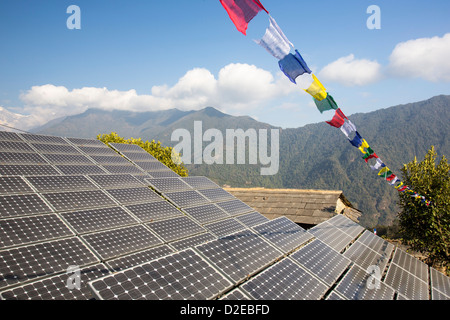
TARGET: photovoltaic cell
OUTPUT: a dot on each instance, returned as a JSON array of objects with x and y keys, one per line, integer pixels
[
  {"x": 285, "y": 280},
  {"x": 225, "y": 227},
  {"x": 80, "y": 169},
  {"x": 98, "y": 219},
  {"x": 55, "y": 149},
  {"x": 283, "y": 233},
  {"x": 12, "y": 185},
  {"x": 322, "y": 261},
  {"x": 355, "y": 286},
  {"x": 239, "y": 255},
  {"x": 55, "y": 288},
  {"x": 140, "y": 257},
  {"x": 61, "y": 183},
  {"x": 185, "y": 199},
  {"x": 406, "y": 283},
  {"x": 193, "y": 241},
  {"x": 346, "y": 225},
  {"x": 176, "y": 228},
  {"x": 252, "y": 219},
  {"x": 39, "y": 260},
  {"x": 67, "y": 159},
  {"x": 27, "y": 170},
  {"x": 168, "y": 185},
  {"x": 134, "y": 195},
  {"x": 15, "y": 146},
  {"x": 206, "y": 213},
  {"x": 215, "y": 195},
  {"x": 180, "y": 276},
  {"x": 152, "y": 211},
  {"x": 22, "y": 205},
  {"x": 25, "y": 230},
  {"x": 235, "y": 207},
  {"x": 9, "y": 136},
  {"x": 69, "y": 201},
  {"x": 113, "y": 243},
  {"x": 21, "y": 158},
  {"x": 109, "y": 181}
]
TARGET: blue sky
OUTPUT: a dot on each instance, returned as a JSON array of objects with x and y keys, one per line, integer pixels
[{"x": 150, "y": 55}]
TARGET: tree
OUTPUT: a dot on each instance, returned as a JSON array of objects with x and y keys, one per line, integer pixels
[
  {"x": 427, "y": 228},
  {"x": 165, "y": 155}
]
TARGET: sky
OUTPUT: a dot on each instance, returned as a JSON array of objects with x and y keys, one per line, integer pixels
[{"x": 147, "y": 55}]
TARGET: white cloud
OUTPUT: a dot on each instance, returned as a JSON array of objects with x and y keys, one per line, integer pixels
[
  {"x": 351, "y": 72},
  {"x": 237, "y": 89},
  {"x": 426, "y": 58}
]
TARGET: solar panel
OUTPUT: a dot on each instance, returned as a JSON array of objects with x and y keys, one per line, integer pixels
[
  {"x": 376, "y": 243},
  {"x": 56, "y": 288},
  {"x": 175, "y": 228},
  {"x": 206, "y": 213},
  {"x": 21, "y": 158},
  {"x": 98, "y": 150},
  {"x": 125, "y": 148},
  {"x": 235, "y": 207},
  {"x": 440, "y": 284},
  {"x": 411, "y": 264},
  {"x": 357, "y": 284},
  {"x": 25, "y": 230},
  {"x": 61, "y": 183},
  {"x": 331, "y": 235},
  {"x": 365, "y": 257},
  {"x": 151, "y": 166},
  {"x": 225, "y": 227},
  {"x": 215, "y": 195},
  {"x": 168, "y": 184},
  {"x": 109, "y": 181},
  {"x": 15, "y": 146},
  {"x": 55, "y": 149},
  {"x": 112, "y": 160},
  {"x": 98, "y": 219},
  {"x": 159, "y": 210},
  {"x": 69, "y": 201},
  {"x": 43, "y": 138},
  {"x": 200, "y": 183},
  {"x": 163, "y": 174},
  {"x": 22, "y": 205},
  {"x": 235, "y": 295},
  {"x": 334, "y": 296},
  {"x": 252, "y": 219},
  {"x": 122, "y": 169},
  {"x": 322, "y": 261},
  {"x": 80, "y": 169},
  {"x": 39, "y": 260},
  {"x": 285, "y": 280},
  {"x": 140, "y": 156},
  {"x": 27, "y": 170},
  {"x": 346, "y": 225},
  {"x": 180, "y": 276},
  {"x": 283, "y": 233},
  {"x": 192, "y": 241},
  {"x": 185, "y": 199},
  {"x": 406, "y": 283},
  {"x": 239, "y": 255},
  {"x": 85, "y": 142},
  {"x": 134, "y": 195},
  {"x": 140, "y": 257},
  {"x": 9, "y": 136},
  {"x": 12, "y": 185},
  {"x": 113, "y": 243},
  {"x": 68, "y": 159}
]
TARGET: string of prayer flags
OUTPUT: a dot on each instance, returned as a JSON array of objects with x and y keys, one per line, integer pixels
[
  {"x": 317, "y": 90},
  {"x": 293, "y": 66},
  {"x": 241, "y": 12},
  {"x": 274, "y": 41},
  {"x": 338, "y": 119},
  {"x": 326, "y": 104}
]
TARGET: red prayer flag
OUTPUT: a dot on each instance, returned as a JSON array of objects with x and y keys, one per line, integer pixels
[
  {"x": 242, "y": 12},
  {"x": 391, "y": 177},
  {"x": 338, "y": 119}
]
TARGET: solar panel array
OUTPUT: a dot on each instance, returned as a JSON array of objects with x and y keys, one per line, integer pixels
[{"x": 81, "y": 220}]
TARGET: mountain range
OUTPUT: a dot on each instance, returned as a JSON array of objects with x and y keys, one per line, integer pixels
[{"x": 315, "y": 156}]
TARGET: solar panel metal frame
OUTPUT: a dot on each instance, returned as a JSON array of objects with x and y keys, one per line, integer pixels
[
  {"x": 67, "y": 159},
  {"x": 98, "y": 150},
  {"x": 163, "y": 174},
  {"x": 183, "y": 275},
  {"x": 411, "y": 264},
  {"x": 193, "y": 241},
  {"x": 126, "y": 147},
  {"x": 134, "y": 259},
  {"x": 365, "y": 257},
  {"x": 199, "y": 182},
  {"x": 235, "y": 207},
  {"x": 40, "y": 138},
  {"x": 85, "y": 142},
  {"x": 9, "y": 136},
  {"x": 332, "y": 236},
  {"x": 122, "y": 169},
  {"x": 151, "y": 166},
  {"x": 216, "y": 195}
]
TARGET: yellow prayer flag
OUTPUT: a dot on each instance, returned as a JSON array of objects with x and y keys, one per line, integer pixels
[
  {"x": 317, "y": 90},
  {"x": 400, "y": 185},
  {"x": 364, "y": 146},
  {"x": 383, "y": 171}
]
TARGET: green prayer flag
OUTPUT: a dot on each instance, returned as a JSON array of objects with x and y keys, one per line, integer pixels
[{"x": 326, "y": 104}]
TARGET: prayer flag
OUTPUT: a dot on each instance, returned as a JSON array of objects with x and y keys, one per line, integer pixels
[
  {"x": 317, "y": 90},
  {"x": 394, "y": 181},
  {"x": 364, "y": 146},
  {"x": 370, "y": 154},
  {"x": 326, "y": 104},
  {"x": 274, "y": 41},
  {"x": 379, "y": 164},
  {"x": 385, "y": 172},
  {"x": 347, "y": 128},
  {"x": 357, "y": 140},
  {"x": 293, "y": 66},
  {"x": 338, "y": 119},
  {"x": 241, "y": 12},
  {"x": 391, "y": 177}
]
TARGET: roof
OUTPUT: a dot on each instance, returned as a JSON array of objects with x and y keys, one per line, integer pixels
[{"x": 301, "y": 206}]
